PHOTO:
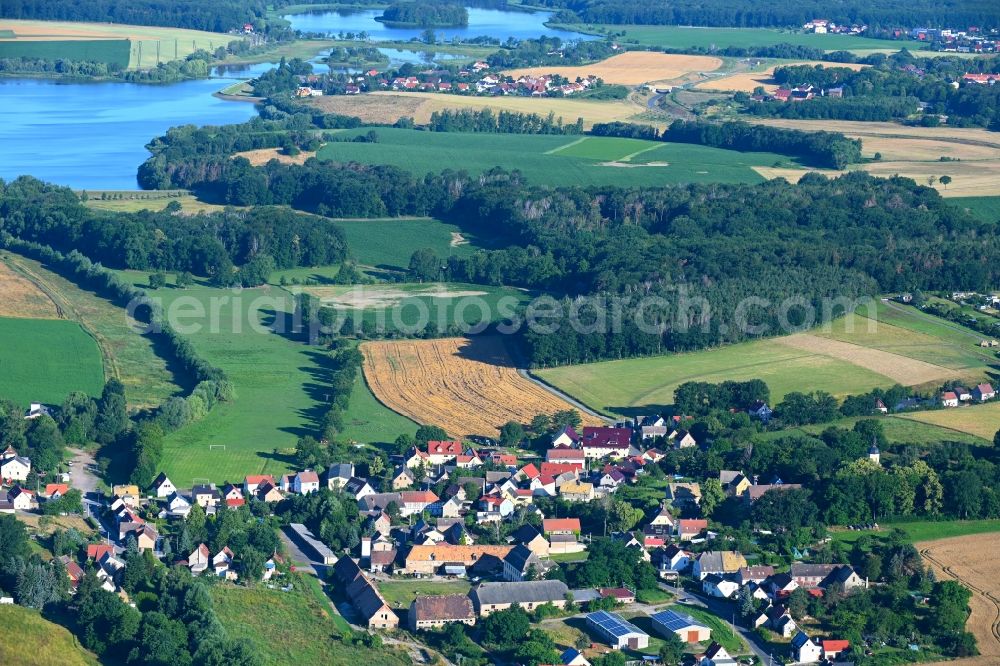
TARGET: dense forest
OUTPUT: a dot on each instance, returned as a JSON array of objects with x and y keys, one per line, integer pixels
[
  {"x": 756, "y": 14},
  {"x": 502, "y": 122},
  {"x": 208, "y": 244},
  {"x": 426, "y": 14},
  {"x": 215, "y": 16}
]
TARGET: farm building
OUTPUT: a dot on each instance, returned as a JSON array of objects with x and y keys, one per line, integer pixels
[
  {"x": 491, "y": 597},
  {"x": 434, "y": 611},
  {"x": 684, "y": 626},
  {"x": 617, "y": 632},
  {"x": 317, "y": 547}
]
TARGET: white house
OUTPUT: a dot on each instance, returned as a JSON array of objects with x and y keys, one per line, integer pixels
[
  {"x": 717, "y": 586},
  {"x": 338, "y": 475},
  {"x": 35, "y": 410},
  {"x": 949, "y": 399},
  {"x": 178, "y": 506},
  {"x": 305, "y": 482},
  {"x": 565, "y": 438},
  {"x": 199, "y": 559},
  {"x": 22, "y": 499},
  {"x": 805, "y": 650},
  {"x": 760, "y": 410},
  {"x": 983, "y": 392},
  {"x": 13, "y": 467},
  {"x": 163, "y": 487}
]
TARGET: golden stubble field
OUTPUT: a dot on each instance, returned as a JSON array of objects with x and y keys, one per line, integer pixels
[
  {"x": 388, "y": 107},
  {"x": 748, "y": 81},
  {"x": 972, "y": 155},
  {"x": 973, "y": 560},
  {"x": 466, "y": 386},
  {"x": 19, "y": 297},
  {"x": 261, "y": 156},
  {"x": 631, "y": 68}
]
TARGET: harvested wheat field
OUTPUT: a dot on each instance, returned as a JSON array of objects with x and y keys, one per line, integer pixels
[
  {"x": 20, "y": 297},
  {"x": 466, "y": 386},
  {"x": 631, "y": 68},
  {"x": 974, "y": 561},
  {"x": 979, "y": 420},
  {"x": 262, "y": 156},
  {"x": 388, "y": 107},
  {"x": 748, "y": 81},
  {"x": 906, "y": 371}
]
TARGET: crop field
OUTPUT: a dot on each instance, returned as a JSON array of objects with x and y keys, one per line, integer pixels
[
  {"x": 130, "y": 357},
  {"x": 557, "y": 160},
  {"x": 31, "y": 640},
  {"x": 748, "y": 81},
  {"x": 262, "y": 156},
  {"x": 110, "y": 51},
  {"x": 410, "y": 307},
  {"x": 466, "y": 386},
  {"x": 973, "y": 561},
  {"x": 894, "y": 427},
  {"x": 681, "y": 37},
  {"x": 979, "y": 420},
  {"x": 973, "y": 155},
  {"x": 43, "y": 360},
  {"x": 631, "y": 68},
  {"x": 388, "y": 107},
  {"x": 145, "y": 46},
  {"x": 296, "y": 627},
  {"x": 843, "y": 357},
  {"x": 366, "y": 240},
  {"x": 20, "y": 297}
]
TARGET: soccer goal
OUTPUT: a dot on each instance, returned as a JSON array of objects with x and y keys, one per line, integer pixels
[
  {"x": 215, "y": 447},
  {"x": 200, "y": 481}
]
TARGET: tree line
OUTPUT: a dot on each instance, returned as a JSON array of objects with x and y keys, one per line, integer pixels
[
  {"x": 502, "y": 122},
  {"x": 426, "y": 14}
]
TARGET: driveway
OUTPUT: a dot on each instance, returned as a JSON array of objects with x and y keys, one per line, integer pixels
[{"x": 83, "y": 477}]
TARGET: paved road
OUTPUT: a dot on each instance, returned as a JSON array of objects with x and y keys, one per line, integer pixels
[
  {"x": 724, "y": 610},
  {"x": 570, "y": 399}
]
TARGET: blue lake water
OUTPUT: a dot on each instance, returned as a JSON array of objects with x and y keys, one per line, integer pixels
[
  {"x": 482, "y": 22},
  {"x": 92, "y": 136}
]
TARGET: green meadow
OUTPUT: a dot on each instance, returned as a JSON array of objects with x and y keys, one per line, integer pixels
[
  {"x": 368, "y": 240},
  {"x": 110, "y": 51},
  {"x": 28, "y": 638},
  {"x": 280, "y": 386},
  {"x": 43, "y": 360},
  {"x": 682, "y": 37},
  {"x": 986, "y": 209},
  {"x": 555, "y": 160},
  {"x": 924, "y": 530}
]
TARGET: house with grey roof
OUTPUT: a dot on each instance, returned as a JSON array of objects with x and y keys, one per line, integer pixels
[{"x": 492, "y": 597}]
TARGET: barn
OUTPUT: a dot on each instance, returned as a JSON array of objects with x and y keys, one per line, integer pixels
[
  {"x": 618, "y": 633},
  {"x": 684, "y": 626}
]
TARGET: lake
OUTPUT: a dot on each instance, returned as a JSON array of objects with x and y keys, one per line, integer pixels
[
  {"x": 482, "y": 22},
  {"x": 93, "y": 135}
]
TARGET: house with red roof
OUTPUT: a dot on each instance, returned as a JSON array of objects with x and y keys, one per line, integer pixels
[
  {"x": 253, "y": 481},
  {"x": 441, "y": 452},
  {"x": 97, "y": 551},
  {"x": 416, "y": 501},
  {"x": 561, "y": 526},
  {"x": 949, "y": 399},
  {"x": 983, "y": 392},
  {"x": 604, "y": 442},
  {"x": 55, "y": 490},
  {"x": 529, "y": 472},
  {"x": 566, "y": 456},
  {"x": 832, "y": 649},
  {"x": 305, "y": 482},
  {"x": 555, "y": 469}
]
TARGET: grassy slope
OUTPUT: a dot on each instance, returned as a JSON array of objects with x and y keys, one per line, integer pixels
[
  {"x": 279, "y": 385},
  {"x": 291, "y": 627},
  {"x": 616, "y": 386},
  {"x": 553, "y": 160},
  {"x": 896, "y": 429},
  {"x": 133, "y": 358},
  {"x": 680, "y": 37},
  {"x": 43, "y": 360},
  {"x": 31, "y": 640}
]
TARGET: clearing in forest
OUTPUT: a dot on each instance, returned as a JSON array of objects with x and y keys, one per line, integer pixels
[
  {"x": 631, "y": 68},
  {"x": 466, "y": 386}
]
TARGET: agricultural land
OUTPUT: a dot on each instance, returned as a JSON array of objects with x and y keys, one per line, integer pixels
[
  {"x": 762, "y": 77},
  {"x": 972, "y": 560},
  {"x": 366, "y": 240},
  {"x": 558, "y": 160},
  {"x": 134, "y": 46},
  {"x": 466, "y": 386},
  {"x": 846, "y": 357},
  {"x": 631, "y": 68}
]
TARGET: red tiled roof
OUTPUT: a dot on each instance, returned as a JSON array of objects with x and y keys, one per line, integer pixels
[
  {"x": 561, "y": 525},
  {"x": 308, "y": 476},
  {"x": 60, "y": 488},
  {"x": 530, "y": 471},
  {"x": 452, "y": 448},
  {"x": 836, "y": 646},
  {"x": 259, "y": 478},
  {"x": 555, "y": 469},
  {"x": 414, "y": 496},
  {"x": 606, "y": 437},
  {"x": 96, "y": 551}
]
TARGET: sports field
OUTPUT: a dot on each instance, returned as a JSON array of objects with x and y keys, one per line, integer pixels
[
  {"x": 122, "y": 353},
  {"x": 682, "y": 37},
  {"x": 145, "y": 46},
  {"x": 556, "y": 160},
  {"x": 366, "y": 240},
  {"x": 910, "y": 351},
  {"x": 466, "y": 386},
  {"x": 631, "y": 68}
]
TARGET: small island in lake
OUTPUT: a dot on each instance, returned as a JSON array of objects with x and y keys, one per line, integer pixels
[{"x": 424, "y": 15}]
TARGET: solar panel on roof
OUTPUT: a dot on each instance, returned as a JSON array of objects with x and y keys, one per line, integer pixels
[
  {"x": 673, "y": 620},
  {"x": 614, "y": 625}
]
